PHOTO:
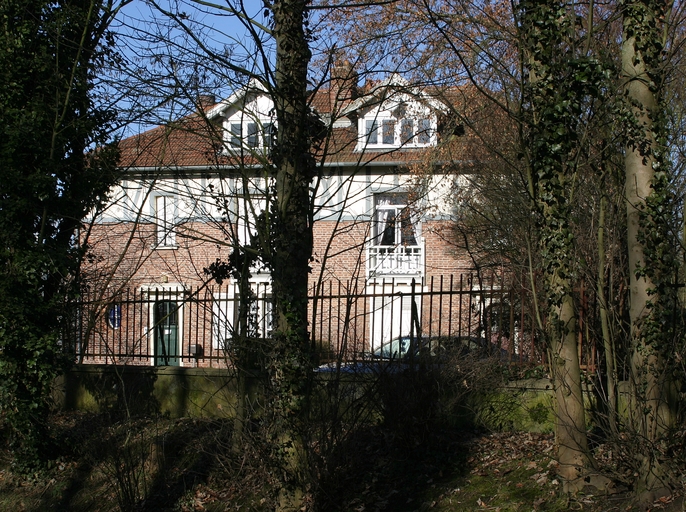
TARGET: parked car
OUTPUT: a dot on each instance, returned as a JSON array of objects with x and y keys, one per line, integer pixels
[
  {"x": 407, "y": 348},
  {"x": 391, "y": 357},
  {"x": 405, "y": 352},
  {"x": 461, "y": 346},
  {"x": 401, "y": 348}
]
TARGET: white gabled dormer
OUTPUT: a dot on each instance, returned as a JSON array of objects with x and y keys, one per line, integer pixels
[
  {"x": 397, "y": 124},
  {"x": 247, "y": 118},
  {"x": 250, "y": 126},
  {"x": 394, "y": 116}
]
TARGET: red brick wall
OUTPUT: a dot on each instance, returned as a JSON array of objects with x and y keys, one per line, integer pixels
[
  {"x": 443, "y": 258},
  {"x": 123, "y": 256},
  {"x": 347, "y": 256},
  {"x": 126, "y": 254}
]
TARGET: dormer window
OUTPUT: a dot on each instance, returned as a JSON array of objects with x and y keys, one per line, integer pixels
[
  {"x": 236, "y": 135},
  {"x": 386, "y": 131},
  {"x": 406, "y": 131},
  {"x": 251, "y": 135},
  {"x": 424, "y": 131}
]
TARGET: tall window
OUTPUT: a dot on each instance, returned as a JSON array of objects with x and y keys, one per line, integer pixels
[
  {"x": 406, "y": 131},
  {"x": 393, "y": 221},
  {"x": 388, "y": 131},
  {"x": 164, "y": 215},
  {"x": 236, "y": 135},
  {"x": 253, "y": 135}
]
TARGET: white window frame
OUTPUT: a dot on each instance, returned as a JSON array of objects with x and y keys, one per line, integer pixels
[
  {"x": 375, "y": 133},
  {"x": 394, "y": 207},
  {"x": 388, "y": 130},
  {"x": 165, "y": 209},
  {"x": 425, "y": 131},
  {"x": 236, "y": 135},
  {"x": 401, "y": 257},
  {"x": 250, "y": 134}
]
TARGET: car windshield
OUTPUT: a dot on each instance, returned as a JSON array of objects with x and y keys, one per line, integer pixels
[{"x": 394, "y": 349}]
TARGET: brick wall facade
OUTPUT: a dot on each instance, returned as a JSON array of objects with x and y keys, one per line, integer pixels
[
  {"x": 125, "y": 267},
  {"x": 126, "y": 255}
]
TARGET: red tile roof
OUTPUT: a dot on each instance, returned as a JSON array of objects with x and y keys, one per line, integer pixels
[
  {"x": 192, "y": 141},
  {"x": 196, "y": 141}
]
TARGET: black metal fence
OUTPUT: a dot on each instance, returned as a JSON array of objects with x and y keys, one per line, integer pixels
[{"x": 194, "y": 327}]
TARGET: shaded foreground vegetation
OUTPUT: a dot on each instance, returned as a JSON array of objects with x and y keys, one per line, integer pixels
[{"x": 186, "y": 465}]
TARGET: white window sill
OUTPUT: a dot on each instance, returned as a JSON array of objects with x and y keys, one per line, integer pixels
[{"x": 390, "y": 147}]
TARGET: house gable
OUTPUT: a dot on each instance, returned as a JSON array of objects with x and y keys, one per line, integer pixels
[
  {"x": 393, "y": 116},
  {"x": 248, "y": 122}
]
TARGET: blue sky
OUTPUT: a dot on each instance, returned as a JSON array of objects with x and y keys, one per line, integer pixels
[{"x": 175, "y": 50}]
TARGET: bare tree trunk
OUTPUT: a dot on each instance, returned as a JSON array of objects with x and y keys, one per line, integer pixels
[{"x": 608, "y": 345}]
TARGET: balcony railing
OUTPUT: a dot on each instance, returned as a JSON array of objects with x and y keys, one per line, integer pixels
[{"x": 395, "y": 260}]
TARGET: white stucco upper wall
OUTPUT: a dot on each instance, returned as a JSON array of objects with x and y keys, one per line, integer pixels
[
  {"x": 344, "y": 193},
  {"x": 341, "y": 195}
]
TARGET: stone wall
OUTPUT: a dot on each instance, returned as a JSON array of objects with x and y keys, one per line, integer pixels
[{"x": 173, "y": 391}]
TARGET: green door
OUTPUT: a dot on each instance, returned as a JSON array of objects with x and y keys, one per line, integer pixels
[{"x": 166, "y": 333}]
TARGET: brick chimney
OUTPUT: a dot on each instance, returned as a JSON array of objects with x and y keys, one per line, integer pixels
[
  {"x": 343, "y": 88},
  {"x": 206, "y": 100}
]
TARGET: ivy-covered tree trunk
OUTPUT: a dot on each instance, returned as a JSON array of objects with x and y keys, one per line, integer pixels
[
  {"x": 652, "y": 258},
  {"x": 555, "y": 94},
  {"x": 291, "y": 249},
  {"x": 49, "y": 53}
]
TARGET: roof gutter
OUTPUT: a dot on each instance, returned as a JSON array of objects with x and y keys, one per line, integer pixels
[{"x": 194, "y": 169}]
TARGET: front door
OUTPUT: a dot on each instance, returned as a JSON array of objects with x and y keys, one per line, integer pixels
[{"x": 166, "y": 333}]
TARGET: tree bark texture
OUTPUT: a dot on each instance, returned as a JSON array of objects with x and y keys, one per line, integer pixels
[
  {"x": 571, "y": 417},
  {"x": 552, "y": 122},
  {"x": 291, "y": 249},
  {"x": 644, "y": 172}
]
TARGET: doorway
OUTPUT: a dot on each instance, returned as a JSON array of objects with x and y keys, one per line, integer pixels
[{"x": 166, "y": 322}]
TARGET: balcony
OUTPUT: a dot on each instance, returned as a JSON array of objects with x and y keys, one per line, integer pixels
[{"x": 395, "y": 260}]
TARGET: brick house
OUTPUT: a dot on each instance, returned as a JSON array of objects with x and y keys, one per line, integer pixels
[{"x": 193, "y": 189}]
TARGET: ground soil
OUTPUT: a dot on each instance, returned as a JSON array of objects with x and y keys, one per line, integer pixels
[{"x": 186, "y": 465}]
